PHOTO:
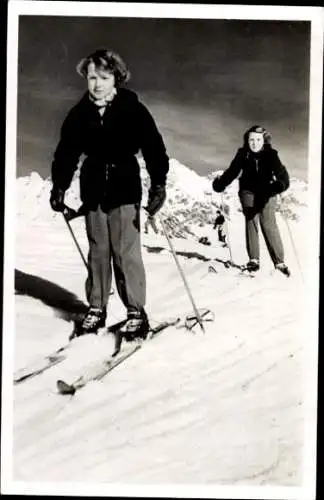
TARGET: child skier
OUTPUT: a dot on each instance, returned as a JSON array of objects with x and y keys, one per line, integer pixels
[
  {"x": 109, "y": 125},
  {"x": 262, "y": 177}
]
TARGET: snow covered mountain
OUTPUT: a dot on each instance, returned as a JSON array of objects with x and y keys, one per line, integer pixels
[{"x": 190, "y": 201}]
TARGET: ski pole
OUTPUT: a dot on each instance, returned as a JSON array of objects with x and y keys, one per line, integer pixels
[
  {"x": 227, "y": 231},
  {"x": 199, "y": 319},
  {"x": 65, "y": 215},
  {"x": 292, "y": 242}
]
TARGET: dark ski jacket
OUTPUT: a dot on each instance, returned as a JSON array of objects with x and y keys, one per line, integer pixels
[
  {"x": 262, "y": 174},
  {"x": 110, "y": 173}
]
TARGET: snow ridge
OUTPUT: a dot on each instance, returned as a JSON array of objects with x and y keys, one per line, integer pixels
[{"x": 190, "y": 201}]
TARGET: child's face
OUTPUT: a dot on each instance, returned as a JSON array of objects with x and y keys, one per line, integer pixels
[
  {"x": 100, "y": 82},
  {"x": 256, "y": 141}
]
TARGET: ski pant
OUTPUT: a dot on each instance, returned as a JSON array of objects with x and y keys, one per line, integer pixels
[
  {"x": 221, "y": 235},
  {"x": 114, "y": 242},
  {"x": 265, "y": 215}
]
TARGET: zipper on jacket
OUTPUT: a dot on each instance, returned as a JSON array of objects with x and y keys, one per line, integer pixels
[
  {"x": 107, "y": 167},
  {"x": 105, "y": 191},
  {"x": 257, "y": 165}
]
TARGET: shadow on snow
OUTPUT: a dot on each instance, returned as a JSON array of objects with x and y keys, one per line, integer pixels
[
  {"x": 66, "y": 304},
  {"x": 188, "y": 255}
]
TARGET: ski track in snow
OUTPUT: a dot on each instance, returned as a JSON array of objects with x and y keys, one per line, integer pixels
[{"x": 222, "y": 407}]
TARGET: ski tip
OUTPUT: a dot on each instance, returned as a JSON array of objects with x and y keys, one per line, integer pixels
[
  {"x": 64, "y": 388},
  {"x": 21, "y": 378}
]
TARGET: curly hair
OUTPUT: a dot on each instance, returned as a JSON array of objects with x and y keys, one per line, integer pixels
[
  {"x": 259, "y": 130},
  {"x": 106, "y": 60}
]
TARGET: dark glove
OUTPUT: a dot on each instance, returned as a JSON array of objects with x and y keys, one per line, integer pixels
[
  {"x": 217, "y": 185},
  {"x": 69, "y": 213},
  {"x": 156, "y": 198},
  {"x": 275, "y": 188},
  {"x": 57, "y": 200}
]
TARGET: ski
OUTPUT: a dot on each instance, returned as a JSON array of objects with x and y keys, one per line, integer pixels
[
  {"x": 42, "y": 364},
  {"x": 101, "y": 369},
  {"x": 39, "y": 366},
  {"x": 243, "y": 271},
  {"x": 247, "y": 273}
]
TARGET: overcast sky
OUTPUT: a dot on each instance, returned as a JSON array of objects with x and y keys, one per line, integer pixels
[{"x": 205, "y": 82}]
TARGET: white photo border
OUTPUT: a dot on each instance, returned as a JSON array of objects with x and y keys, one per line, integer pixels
[{"x": 194, "y": 11}]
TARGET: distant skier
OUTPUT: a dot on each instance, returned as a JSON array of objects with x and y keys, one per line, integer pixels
[
  {"x": 109, "y": 125},
  {"x": 261, "y": 177},
  {"x": 219, "y": 225}
]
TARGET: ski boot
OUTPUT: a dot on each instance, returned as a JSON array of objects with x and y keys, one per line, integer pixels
[
  {"x": 252, "y": 266},
  {"x": 283, "y": 269},
  {"x": 136, "y": 326},
  {"x": 94, "y": 319}
]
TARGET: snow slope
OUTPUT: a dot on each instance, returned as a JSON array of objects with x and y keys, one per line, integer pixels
[{"x": 227, "y": 407}]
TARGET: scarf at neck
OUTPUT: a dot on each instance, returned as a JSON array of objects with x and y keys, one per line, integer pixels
[{"x": 101, "y": 103}]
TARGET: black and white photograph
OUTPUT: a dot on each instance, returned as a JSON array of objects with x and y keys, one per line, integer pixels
[{"x": 161, "y": 251}]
